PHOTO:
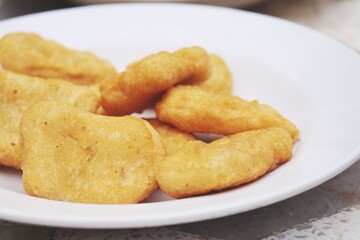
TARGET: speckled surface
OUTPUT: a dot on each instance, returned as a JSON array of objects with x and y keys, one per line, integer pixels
[
  {"x": 342, "y": 225},
  {"x": 330, "y": 211},
  {"x": 145, "y": 234}
]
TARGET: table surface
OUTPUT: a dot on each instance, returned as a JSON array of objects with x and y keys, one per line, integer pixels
[{"x": 329, "y": 211}]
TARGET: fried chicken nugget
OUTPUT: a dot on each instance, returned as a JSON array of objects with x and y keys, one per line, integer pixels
[
  {"x": 76, "y": 156},
  {"x": 173, "y": 138},
  {"x": 221, "y": 78},
  {"x": 137, "y": 87},
  {"x": 192, "y": 109},
  {"x": 228, "y": 162},
  {"x": 18, "y": 92},
  {"x": 30, "y": 54}
]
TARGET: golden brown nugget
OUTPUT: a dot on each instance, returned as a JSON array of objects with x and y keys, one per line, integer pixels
[
  {"x": 200, "y": 168},
  {"x": 30, "y": 54},
  {"x": 76, "y": 156},
  {"x": 192, "y": 109},
  {"x": 221, "y": 79},
  {"x": 18, "y": 92},
  {"x": 173, "y": 138},
  {"x": 139, "y": 86}
]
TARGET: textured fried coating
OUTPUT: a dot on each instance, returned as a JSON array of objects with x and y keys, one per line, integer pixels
[
  {"x": 30, "y": 54},
  {"x": 228, "y": 162},
  {"x": 173, "y": 138},
  {"x": 139, "y": 86},
  {"x": 76, "y": 156},
  {"x": 220, "y": 80},
  {"x": 192, "y": 109},
  {"x": 18, "y": 92}
]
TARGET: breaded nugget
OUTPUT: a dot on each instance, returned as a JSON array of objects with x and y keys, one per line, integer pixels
[
  {"x": 221, "y": 78},
  {"x": 76, "y": 156},
  {"x": 18, "y": 92},
  {"x": 139, "y": 86},
  {"x": 173, "y": 138},
  {"x": 30, "y": 54},
  {"x": 192, "y": 109},
  {"x": 228, "y": 162}
]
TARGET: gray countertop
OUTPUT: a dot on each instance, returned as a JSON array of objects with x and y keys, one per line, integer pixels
[{"x": 329, "y": 211}]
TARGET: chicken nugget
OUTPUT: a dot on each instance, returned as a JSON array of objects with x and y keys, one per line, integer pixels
[
  {"x": 221, "y": 78},
  {"x": 30, "y": 54},
  {"x": 18, "y": 92},
  {"x": 192, "y": 109},
  {"x": 228, "y": 162},
  {"x": 173, "y": 138},
  {"x": 76, "y": 156},
  {"x": 139, "y": 86}
]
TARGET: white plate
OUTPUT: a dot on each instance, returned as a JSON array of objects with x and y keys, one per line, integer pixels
[{"x": 311, "y": 79}]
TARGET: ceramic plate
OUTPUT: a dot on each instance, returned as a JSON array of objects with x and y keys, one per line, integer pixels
[{"x": 311, "y": 79}]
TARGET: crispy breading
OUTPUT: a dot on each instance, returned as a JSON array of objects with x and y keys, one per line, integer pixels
[
  {"x": 192, "y": 109},
  {"x": 221, "y": 79},
  {"x": 76, "y": 156},
  {"x": 200, "y": 168},
  {"x": 140, "y": 85},
  {"x": 173, "y": 138},
  {"x": 30, "y": 54},
  {"x": 18, "y": 92}
]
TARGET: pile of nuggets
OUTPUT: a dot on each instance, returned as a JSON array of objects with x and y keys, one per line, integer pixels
[{"x": 65, "y": 122}]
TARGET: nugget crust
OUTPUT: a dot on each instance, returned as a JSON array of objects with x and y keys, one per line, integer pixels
[
  {"x": 192, "y": 109},
  {"x": 228, "y": 162},
  {"x": 138, "y": 87},
  {"x": 173, "y": 138},
  {"x": 18, "y": 92},
  {"x": 30, "y": 54},
  {"x": 75, "y": 156},
  {"x": 221, "y": 79}
]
